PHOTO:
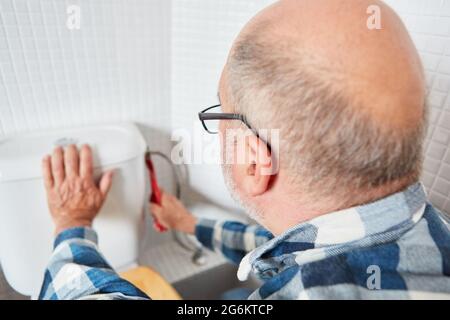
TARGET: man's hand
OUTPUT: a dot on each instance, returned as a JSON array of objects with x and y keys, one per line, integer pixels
[
  {"x": 74, "y": 198},
  {"x": 173, "y": 215}
]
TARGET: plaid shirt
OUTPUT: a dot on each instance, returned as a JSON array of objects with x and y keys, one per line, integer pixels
[{"x": 394, "y": 248}]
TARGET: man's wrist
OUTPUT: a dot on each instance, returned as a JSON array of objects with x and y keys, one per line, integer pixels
[
  {"x": 84, "y": 233},
  {"x": 69, "y": 224},
  {"x": 188, "y": 225}
]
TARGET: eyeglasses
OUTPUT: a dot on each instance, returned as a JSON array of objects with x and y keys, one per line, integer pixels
[{"x": 210, "y": 119}]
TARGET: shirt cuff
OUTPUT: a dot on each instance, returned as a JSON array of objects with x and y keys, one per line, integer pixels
[
  {"x": 204, "y": 232},
  {"x": 86, "y": 233}
]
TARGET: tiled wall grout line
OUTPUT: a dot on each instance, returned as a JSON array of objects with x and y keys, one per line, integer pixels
[
  {"x": 57, "y": 103},
  {"x": 39, "y": 57},
  {"x": 16, "y": 114},
  {"x": 39, "y": 124},
  {"x": 94, "y": 68}
]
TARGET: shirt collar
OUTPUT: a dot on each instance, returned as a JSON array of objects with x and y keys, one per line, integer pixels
[{"x": 377, "y": 222}]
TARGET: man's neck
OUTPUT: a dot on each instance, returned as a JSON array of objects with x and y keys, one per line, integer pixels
[
  {"x": 287, "y": 213},
  {"x": 293, "y": 208}
]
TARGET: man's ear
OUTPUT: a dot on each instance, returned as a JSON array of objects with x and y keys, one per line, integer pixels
[{"x": 258, "y": 166}]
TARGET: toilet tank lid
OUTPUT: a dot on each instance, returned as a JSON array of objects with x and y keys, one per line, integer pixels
[{"x": 21, "y": 155}]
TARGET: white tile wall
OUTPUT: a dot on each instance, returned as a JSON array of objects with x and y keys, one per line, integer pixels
[{"x": 114, "y": 68}]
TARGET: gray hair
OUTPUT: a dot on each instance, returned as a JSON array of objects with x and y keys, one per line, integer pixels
[{"x": 328, "y": 147}]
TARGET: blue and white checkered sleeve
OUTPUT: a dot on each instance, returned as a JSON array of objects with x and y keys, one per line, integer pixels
[
  {"x": 77, "y": 270},
  {"x": 233, "y": 239}
]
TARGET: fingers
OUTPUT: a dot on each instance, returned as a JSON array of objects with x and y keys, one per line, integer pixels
[
  {"x": 68, "y": 163},
  {"x": 71, "y": 164},
  {"x": 106, "y": 182},
  {"x": 86, "y": 162},
  {"x": 156, "y": 211},
  {"x": 47, "y": 172},
  {"x": 166, "y": 197},
  {"x": 57, "y": 165},
  {"x": 71, "y": 161}
]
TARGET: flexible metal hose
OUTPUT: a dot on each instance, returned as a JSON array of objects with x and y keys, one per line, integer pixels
[{"x": 182, "y": 239}]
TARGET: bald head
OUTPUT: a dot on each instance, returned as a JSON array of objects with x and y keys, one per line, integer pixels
[
  {"x": 331, "y": 38},
  {"x": 349, "y": 100}
]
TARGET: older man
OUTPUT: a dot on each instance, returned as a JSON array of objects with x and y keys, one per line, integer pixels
[{"x": 343, "y": 213}]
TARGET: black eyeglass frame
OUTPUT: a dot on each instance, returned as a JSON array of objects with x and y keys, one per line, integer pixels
[{"x": 204, "y": 116}]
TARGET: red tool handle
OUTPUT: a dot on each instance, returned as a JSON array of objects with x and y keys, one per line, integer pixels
[{"x": 156, "y": 195}]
